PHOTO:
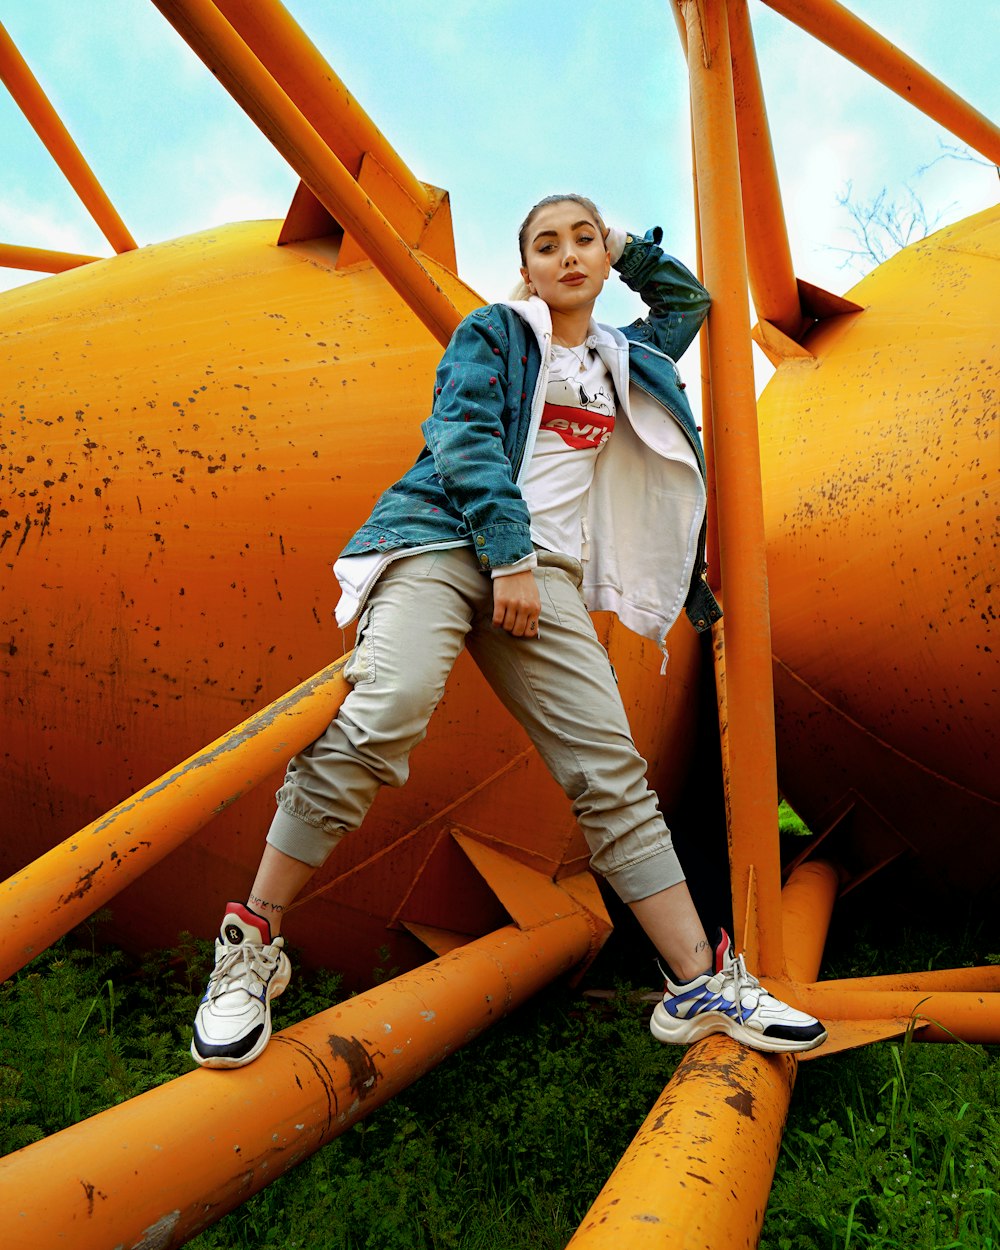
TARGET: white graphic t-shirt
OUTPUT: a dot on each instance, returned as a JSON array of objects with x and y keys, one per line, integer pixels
[{"x": 577, "y": 421}]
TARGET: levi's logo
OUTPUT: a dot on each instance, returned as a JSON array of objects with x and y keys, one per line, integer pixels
[{"x": 577, "y": 427}]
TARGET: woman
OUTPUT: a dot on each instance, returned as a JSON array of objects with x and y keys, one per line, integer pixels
[{"x": 555, "y": 447}]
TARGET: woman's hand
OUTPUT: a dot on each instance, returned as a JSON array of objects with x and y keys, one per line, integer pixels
[{"x": 516, "y": 604}]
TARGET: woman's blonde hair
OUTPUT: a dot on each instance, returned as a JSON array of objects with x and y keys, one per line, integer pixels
[{"x": 520, "y": 291}]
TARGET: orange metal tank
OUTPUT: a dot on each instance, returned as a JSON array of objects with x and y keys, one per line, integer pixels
[
  {"x": 878, "y": 456},
  {"x": 191, "y": 431}
]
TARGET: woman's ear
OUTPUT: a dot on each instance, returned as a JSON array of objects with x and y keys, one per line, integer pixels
[{"x": 527, "y": 281}]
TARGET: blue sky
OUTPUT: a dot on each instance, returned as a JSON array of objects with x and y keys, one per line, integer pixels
[{"x": 499, "y": 103}]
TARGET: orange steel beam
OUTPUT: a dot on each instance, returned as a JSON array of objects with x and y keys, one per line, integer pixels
[
  {"x": 839, "y": 29},
  {"x": 208, "y": 33},
  {"x": 41, "y": 259},
  {"x": 66, "y": 884},
  {"x": 158, "y": 1169},
  {"x": 699, "y": 1170},
  {"x": 769, "y": 257},
  {"x": 37, "y": 108},
  {"x": 748, "y": 694},
  {"x": 302, "y": 72}
]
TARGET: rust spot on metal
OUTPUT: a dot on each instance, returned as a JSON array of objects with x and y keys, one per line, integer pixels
[
  {"x": 742, "y": 1100},
  {"x": 84, "y": 884},
  {"x": 362, "y": 1072}
]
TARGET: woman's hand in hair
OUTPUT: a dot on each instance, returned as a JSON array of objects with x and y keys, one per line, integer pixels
[{"x": 516, "y": 604}]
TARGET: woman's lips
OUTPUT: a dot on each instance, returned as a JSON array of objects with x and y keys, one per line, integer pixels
[{"x": 573, "y": 279}]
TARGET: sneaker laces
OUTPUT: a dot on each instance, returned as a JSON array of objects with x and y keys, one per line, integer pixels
[
  {"x": 237, "y": 965},
  {"x": 745, "y": 981}
]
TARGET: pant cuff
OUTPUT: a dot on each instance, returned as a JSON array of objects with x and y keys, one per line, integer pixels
[
  {"x": 648, "y": 876},
  {"x": 294, "y": 837}
]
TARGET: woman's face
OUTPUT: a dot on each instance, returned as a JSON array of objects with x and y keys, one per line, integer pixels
[{"x": 566, "y": 261}]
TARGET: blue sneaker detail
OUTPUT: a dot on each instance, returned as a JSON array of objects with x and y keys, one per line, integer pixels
[{"x": 729, "y": 999}]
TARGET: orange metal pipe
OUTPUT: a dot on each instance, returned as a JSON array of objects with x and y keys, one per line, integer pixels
[
  {"x": 769, "y": 257},
  {"x": 40, "y": 259},
  {"x": 37, "y": 108},
  {"x": 968, "y": 1016},
  {"x": 300, "y": 69},
  {"x": 204, "y": 28},
  {"x": 65, "y": 885},
  {"x": 839, "y": 29},
  {"x": 808, "y": 896},
  {"x": 749, "y": 696},
  {"x": 979, "y": 979},
  {"x": 158, "y": 1169},
  {"x": 699, "y": 1170}
]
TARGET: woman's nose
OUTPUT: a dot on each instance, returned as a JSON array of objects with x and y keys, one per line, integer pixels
[{"x": 569, "y": 257}]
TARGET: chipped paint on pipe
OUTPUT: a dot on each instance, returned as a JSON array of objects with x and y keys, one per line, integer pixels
[
  {"x": 177, "y": 1158},
  {"x": 698, "y": 1172},
  {"x": 59, "y": 889}
]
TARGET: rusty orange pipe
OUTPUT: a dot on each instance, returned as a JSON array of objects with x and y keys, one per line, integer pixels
[
  {"x": 979, "y": 979},
  {"x": 808, "y": 897},
  {"x": 66, "y": 884},
  {"x": 158, "y": 1169},
  {"x": 208, "y": 33},
  {"x": 968, "y": 1016},
  {"x": 749, "y": 695},
  {"x": 839, "y": 29},
  {"x": 40, "y": 259},
  {"x": 769, "y": 256},
  {"x": 37, "y": 108},
  {"x": 699, "y": 1170},
  {"x": 300, "y": 69}
]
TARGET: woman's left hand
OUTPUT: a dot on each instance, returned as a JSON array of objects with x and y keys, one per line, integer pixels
[{"x": 516, "y": 604}]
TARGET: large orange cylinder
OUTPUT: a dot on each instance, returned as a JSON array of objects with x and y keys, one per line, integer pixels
[
  {"x": 877, "y": 459},
  {"x": 192, "y": 432}
]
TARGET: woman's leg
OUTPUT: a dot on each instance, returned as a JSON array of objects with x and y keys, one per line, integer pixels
[
  {"x": 675, "y": 929},
  {"x": 279, "y": 880},
  {"x": 410, "y": 634}
]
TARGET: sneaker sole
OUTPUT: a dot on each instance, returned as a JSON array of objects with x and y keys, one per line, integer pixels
[
  {"x": 668, "y": 1029},
  {"x": 275, "y": 987}
]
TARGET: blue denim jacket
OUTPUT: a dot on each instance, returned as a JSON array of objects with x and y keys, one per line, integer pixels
[{"x": 462, "y": 488}]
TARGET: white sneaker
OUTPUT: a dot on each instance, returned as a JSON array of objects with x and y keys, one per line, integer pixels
[
  {"x": 233, "y": 1024},
  {"x": 731, "y": 1000}
]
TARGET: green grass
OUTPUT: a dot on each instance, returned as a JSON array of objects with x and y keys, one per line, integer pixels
[{"x": 505, "y": 1145}]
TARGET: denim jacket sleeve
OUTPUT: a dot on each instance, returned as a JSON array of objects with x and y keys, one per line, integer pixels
[
  {"x": 677, "y": 301},
  {"x": 466, "y": 435}
]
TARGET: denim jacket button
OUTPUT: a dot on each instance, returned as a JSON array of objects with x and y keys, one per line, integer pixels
[
  {"x": 484, "y": 560},
  {"x": 480, "y": 541}
]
